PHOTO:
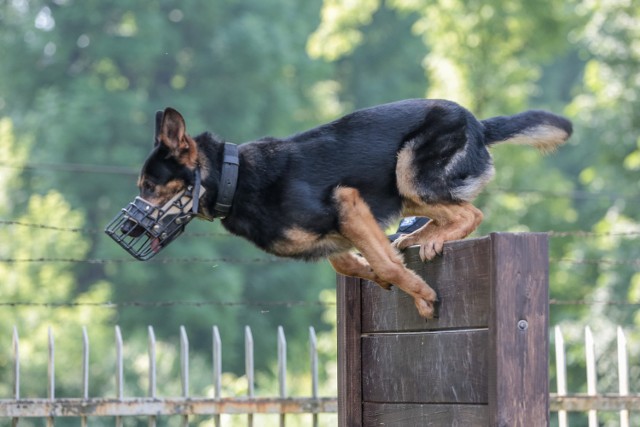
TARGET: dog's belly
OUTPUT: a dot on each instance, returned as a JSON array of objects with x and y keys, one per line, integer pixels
[{"x": 300, "y": 243}]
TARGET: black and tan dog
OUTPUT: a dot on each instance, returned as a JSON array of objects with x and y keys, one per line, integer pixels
[{"x": 323, "y": 192}]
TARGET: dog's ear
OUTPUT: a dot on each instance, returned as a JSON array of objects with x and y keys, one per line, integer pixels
[
  {"x": 156, "y": 136},
  {"x": 173, "y": 134}
]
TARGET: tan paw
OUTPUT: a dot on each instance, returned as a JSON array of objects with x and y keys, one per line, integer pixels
[
  {"x": 426, "y": 303},
  {"x": 425, "y": 308},
  {"x": 431, "y": 249}
]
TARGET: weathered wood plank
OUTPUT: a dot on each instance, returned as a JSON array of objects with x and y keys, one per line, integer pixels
[
  {"x": 461, "y": 279},
  {"x": 488, "y": 346},
  {"x": 518, "y": 325},
  {"x": 428, "y": 367},
  {"x": 423, "y": 415},
  {"x": 349, "y": 363}
]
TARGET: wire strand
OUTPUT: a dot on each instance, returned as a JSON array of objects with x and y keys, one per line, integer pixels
[
  {"x": 96, "y": 231},
  {"x": 127, "y": 171},
  {"x": 74, "y": 168},
  {"x": 263, "y": 304},
  {"x": 194, "y": 260},
  {"x": 160, "y": 304},
  {"x": 551, "y": 233}
]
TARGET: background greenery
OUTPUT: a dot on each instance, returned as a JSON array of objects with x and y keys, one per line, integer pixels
[{"x": 80, "y": 81}]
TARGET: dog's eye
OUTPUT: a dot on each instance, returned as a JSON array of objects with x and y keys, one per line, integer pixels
[{"x": 148, "y": 187}]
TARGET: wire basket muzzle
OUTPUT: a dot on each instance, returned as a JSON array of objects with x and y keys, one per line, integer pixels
[{"x": 143, "y": 229}]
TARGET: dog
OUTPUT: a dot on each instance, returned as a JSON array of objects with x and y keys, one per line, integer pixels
[{"x": 326, "y": 191}]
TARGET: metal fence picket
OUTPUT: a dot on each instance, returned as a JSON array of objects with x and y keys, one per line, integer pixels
[{"x": 153, "y": 406}]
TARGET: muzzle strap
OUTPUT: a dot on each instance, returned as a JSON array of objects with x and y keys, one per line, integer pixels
[{"x": 228, "y": 180}]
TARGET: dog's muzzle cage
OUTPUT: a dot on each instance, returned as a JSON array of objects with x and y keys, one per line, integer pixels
[{"x": 143, "y": 229}]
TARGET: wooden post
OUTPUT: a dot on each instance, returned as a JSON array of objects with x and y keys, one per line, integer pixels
[
  {"x": 518, "y": 324},
  {"x": 483, "y": 361},
  {"x": 349, "y": 369}
]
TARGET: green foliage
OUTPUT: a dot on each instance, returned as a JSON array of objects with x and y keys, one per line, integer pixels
[
  {"x": 580, "y": 58},
  {"x": 53, "y": 283},
  {"x": 84, "y": 79}
]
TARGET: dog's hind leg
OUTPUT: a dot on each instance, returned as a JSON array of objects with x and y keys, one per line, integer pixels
[
  {"x": 448, "y": 221},
  {"x": 359, "y": 226},
  {"x": 437, "y": 197}
]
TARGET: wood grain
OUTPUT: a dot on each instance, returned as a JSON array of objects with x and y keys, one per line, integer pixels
[
  {"x": 518, "y": 355},
  {"x": 483, "y": 362},
  {"x": 428, "y": 367},
  {"x": 423, "y": 415},
  {"x": 461, "y": 279},
  {"x": 349, "y": 346}
]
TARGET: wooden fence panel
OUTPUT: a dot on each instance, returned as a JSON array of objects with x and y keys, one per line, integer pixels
[{"x": 483, "y": 361}]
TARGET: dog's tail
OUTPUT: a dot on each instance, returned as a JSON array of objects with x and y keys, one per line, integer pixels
[{"x": 543, "y": 130}]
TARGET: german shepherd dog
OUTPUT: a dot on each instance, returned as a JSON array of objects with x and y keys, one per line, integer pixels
[{"x": 323, "y": 192}]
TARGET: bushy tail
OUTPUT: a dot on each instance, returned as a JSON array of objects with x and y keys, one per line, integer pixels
[{"x": 543, "y": 130}]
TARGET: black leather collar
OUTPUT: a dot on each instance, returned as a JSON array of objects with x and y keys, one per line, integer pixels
[{"x": 228, "y": 181}]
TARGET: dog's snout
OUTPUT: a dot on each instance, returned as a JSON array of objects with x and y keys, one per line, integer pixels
[{"x": 132, "y": 228}]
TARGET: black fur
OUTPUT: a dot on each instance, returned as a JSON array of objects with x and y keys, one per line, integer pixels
[{"x": 290, "y": 182}]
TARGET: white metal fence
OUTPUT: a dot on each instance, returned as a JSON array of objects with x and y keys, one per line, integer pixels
[
  {"x": 154, "y": 406},
  {"x": 622, "y": 402}
]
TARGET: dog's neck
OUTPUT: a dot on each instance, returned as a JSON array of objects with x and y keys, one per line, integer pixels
[
  {"x": 227, "y": 163},
  {"x": 228, "y": 180}
]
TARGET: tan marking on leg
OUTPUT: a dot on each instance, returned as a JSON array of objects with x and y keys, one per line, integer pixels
[
  {"x": 358, "y": 224},
  {"x": 350, "y": 264},
  {"x": 448, "y": 222},
  {"x": 298, "y": 241},
  {"x": 406, "y": 175}
]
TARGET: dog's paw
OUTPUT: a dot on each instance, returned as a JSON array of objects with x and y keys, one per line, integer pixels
[
  {"x": 431, "y": 249},
  {"x": 426, "y": 304}
]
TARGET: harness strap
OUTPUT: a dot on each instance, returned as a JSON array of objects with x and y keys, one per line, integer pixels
[{"x": 228, "y": 180}]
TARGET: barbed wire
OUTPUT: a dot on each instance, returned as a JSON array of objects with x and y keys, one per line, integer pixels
[
  {"x": 555, "y": 301},
  {"x": 162, "y": 304},
  {"x": 74, "y": 168},
  {"x": 196, "y": 260},
  {"x": 193, "y": 260},
  {"x": 97, "y": 231},
  {"x": 582, "y": 233},
  {"x": 260, "y": 304},
  {"x": 551, "y": 233},
  {"x": 127, "y": 171},
  {"x": 597, "y": 261}
]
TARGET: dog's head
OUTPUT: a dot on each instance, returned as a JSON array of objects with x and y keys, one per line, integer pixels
[
  {"x": 170, "y": 167},
  {"x": 170, "y": 190}
]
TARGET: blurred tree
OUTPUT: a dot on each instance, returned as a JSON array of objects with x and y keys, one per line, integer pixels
[
  {"x": 27, "y": 282},
  {"x": 84, "y": 79},
  {"x": 83, "y": 83}
]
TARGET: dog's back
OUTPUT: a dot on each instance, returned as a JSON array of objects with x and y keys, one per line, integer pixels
[
  {"x": 396, "y": 155},
  {"x": 324, "y": 191}
]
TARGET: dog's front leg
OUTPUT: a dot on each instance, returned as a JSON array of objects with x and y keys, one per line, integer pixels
[
  {"x": 350, "y": 264},
  {"x": 359, "y": 226}
]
